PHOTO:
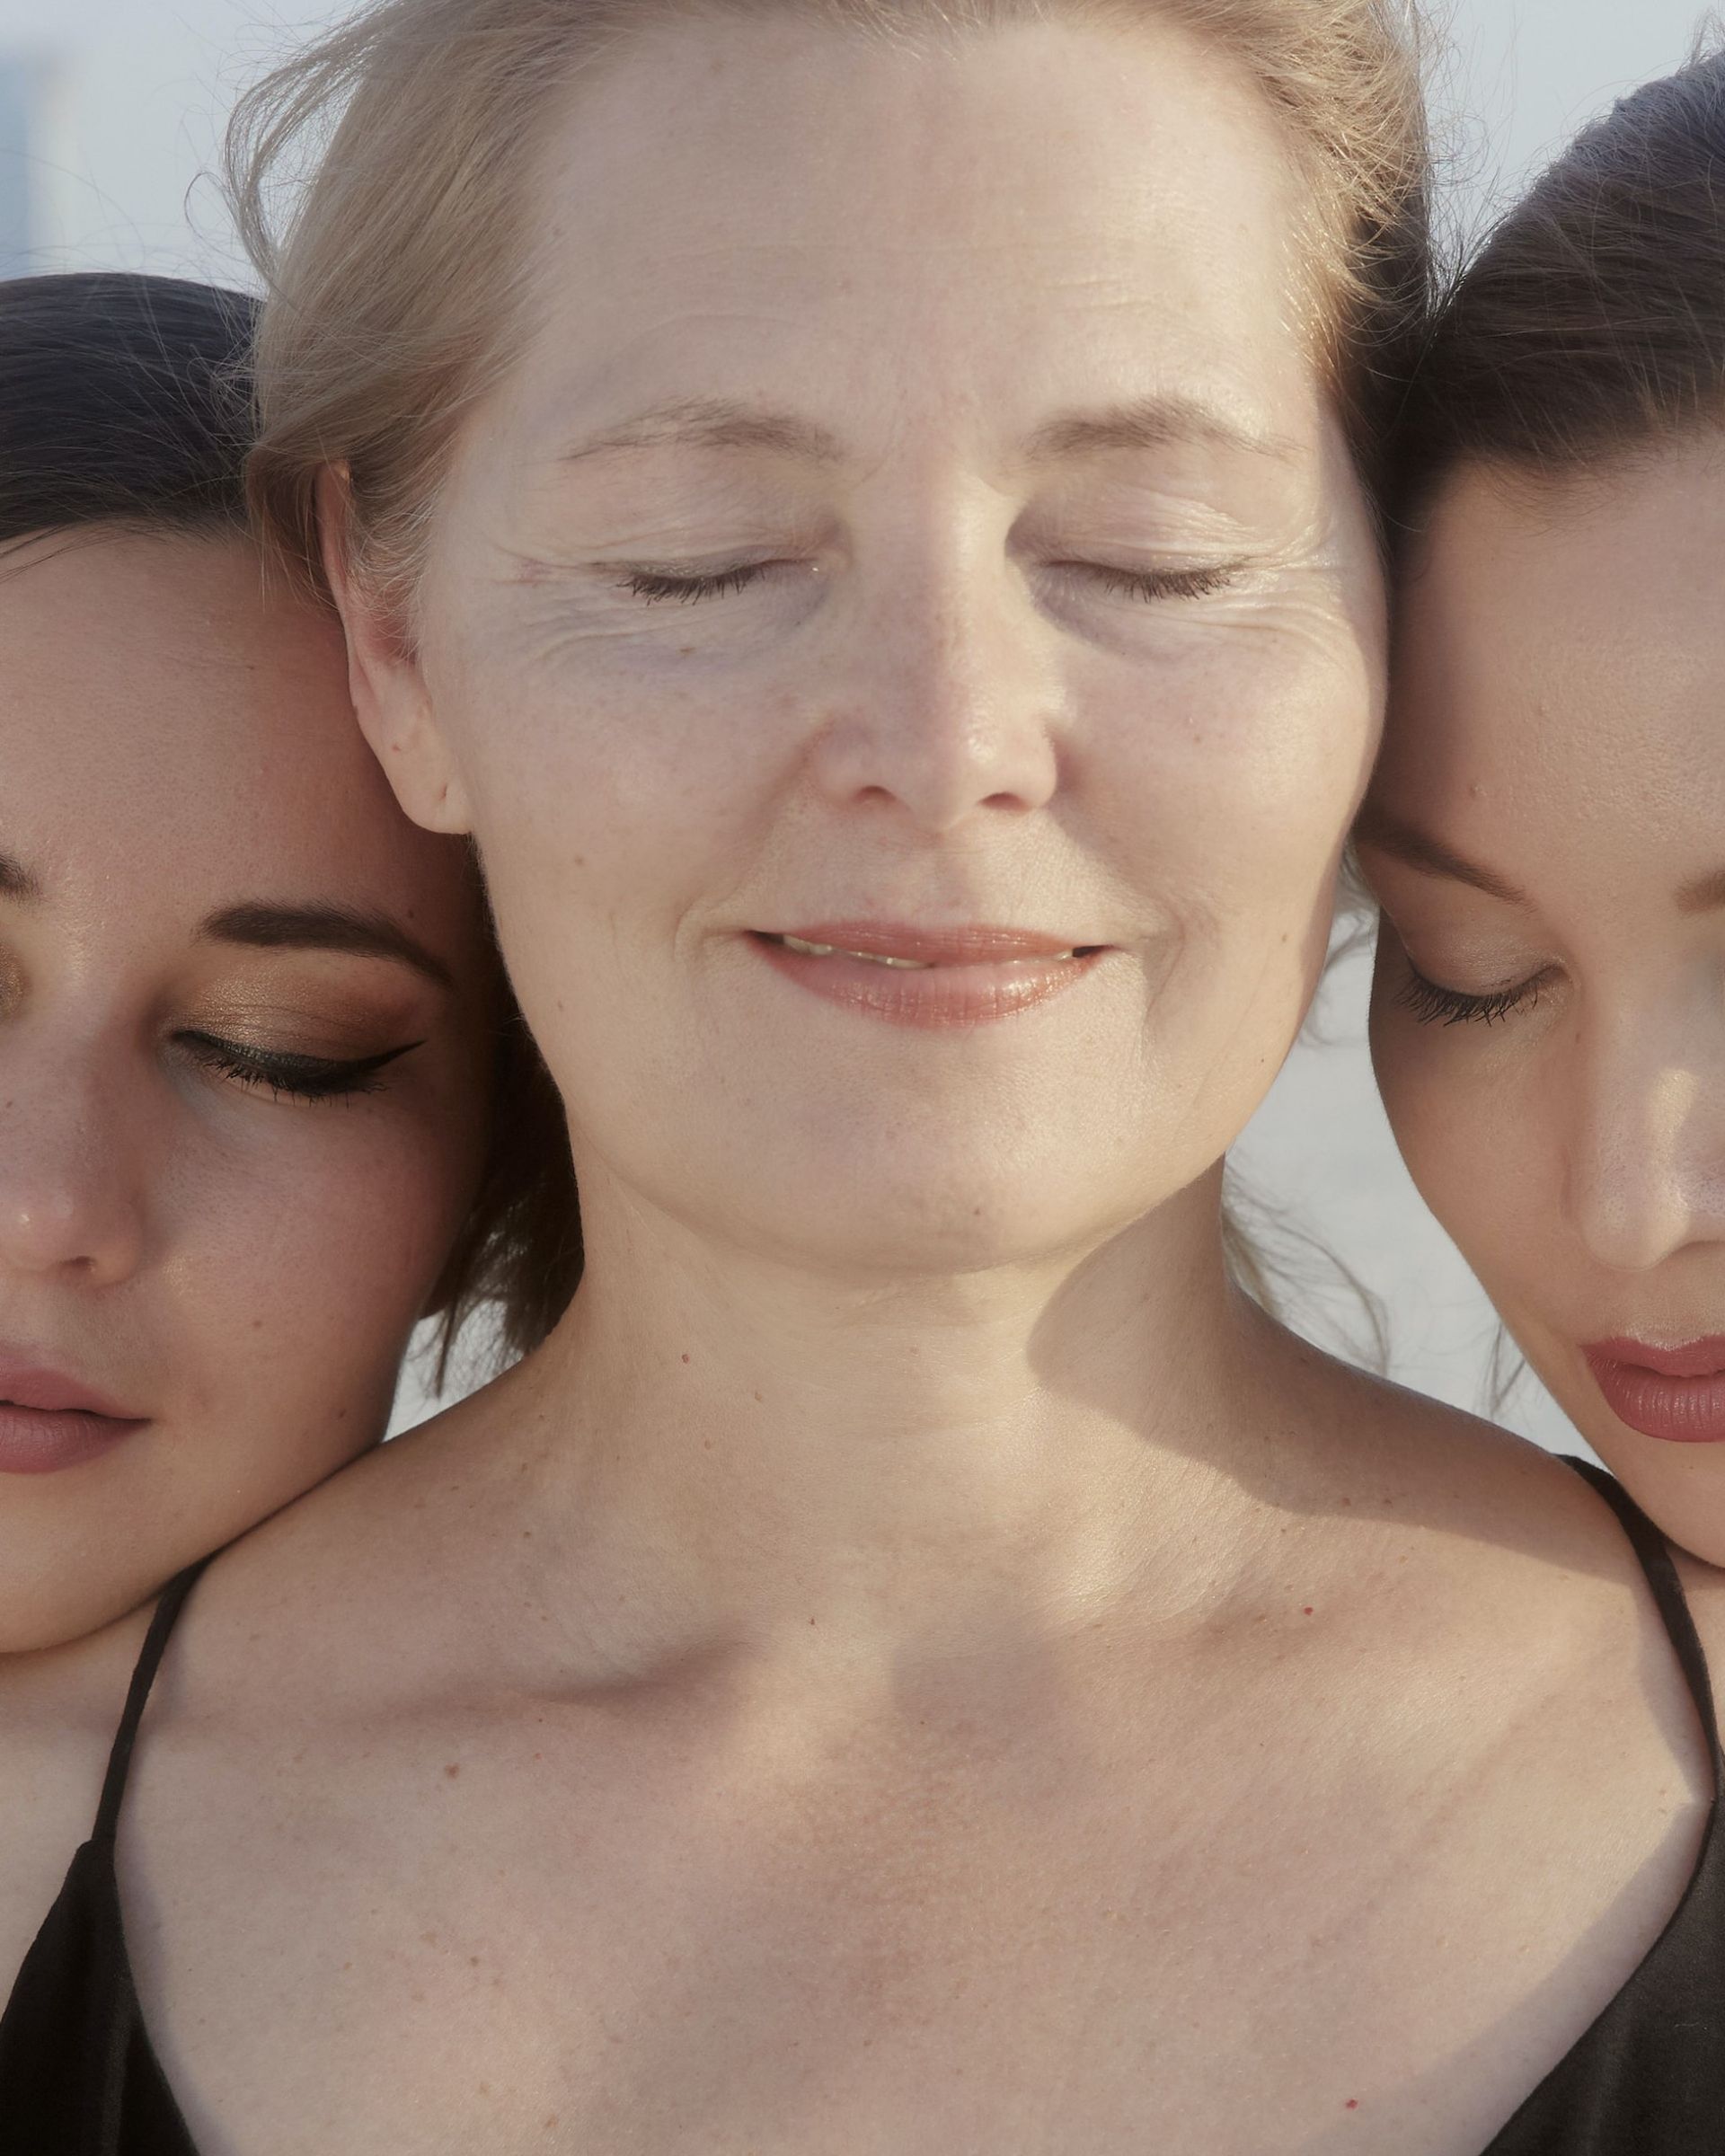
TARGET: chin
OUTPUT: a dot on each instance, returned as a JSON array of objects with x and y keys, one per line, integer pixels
[
  {"x": 38, "y": 1612},
  {"x": 959, "y": 1218},
  {"x": 1681, "y": 1488}
]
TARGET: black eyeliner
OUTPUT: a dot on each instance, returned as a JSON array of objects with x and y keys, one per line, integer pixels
[{"x": 298, "y": 1077}]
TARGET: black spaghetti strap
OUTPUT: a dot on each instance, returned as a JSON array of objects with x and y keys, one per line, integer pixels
[
  {"x": 149, "y": 1660},
  {"x": 1651, "y": 1547}
]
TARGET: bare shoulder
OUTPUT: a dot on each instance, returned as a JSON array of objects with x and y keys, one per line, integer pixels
[
  {"x": 358, "y": 1583},
  {"x": 1495, "y": 1501},
  {"x": 1704, "y": 1587},
  {"x": 1495, "y": 1580}
]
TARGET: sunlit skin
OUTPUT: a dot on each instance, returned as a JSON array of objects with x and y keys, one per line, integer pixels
[
  {"x": 1055, "y": 613},
  {"x": 916, "y": 1663},
  {"x": 1558, "y": 694},
  {"x": 220, "y": 1208}
]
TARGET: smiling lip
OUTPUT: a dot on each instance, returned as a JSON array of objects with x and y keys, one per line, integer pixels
[
  {"x": 48, "y": 1421},
  {"x": 936, "y": 978},
  {"x": 1676, "y": 1394}
]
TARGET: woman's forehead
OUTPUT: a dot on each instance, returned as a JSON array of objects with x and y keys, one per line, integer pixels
[
  {"x": 165, "y": 722},
  {"x": 781, "y": 207}
]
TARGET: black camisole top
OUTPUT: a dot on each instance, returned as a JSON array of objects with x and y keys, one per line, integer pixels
[{"x": 78, "y": 2076}]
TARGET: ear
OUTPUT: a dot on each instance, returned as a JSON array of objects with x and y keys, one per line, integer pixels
[{"x": 384, "y": 676}]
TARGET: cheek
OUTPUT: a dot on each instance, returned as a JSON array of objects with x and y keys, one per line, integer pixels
[
  {"x": 316, "y": 1245},
  {"x": 585, "y": 795},
  {"x": 1228, "y": 793},
  {"x": 1467, "y": 1119}
]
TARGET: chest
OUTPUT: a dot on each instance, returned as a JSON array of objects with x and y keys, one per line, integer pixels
[{"x": 1213, "y": 1935}]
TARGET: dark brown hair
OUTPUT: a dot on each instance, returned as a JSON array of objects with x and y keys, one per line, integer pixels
[
  {"x": 1591, "y": 324},
  {"x": 126, "y": 400}
]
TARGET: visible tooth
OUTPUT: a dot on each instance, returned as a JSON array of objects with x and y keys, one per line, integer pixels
[{"x": 874, "y": 957}]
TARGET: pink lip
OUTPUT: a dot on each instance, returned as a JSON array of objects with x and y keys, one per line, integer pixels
[
  {"x": 1675, "y": 1394},
  {"x": 48, "y": 1421},
  {"x": 975, "y": 975}
]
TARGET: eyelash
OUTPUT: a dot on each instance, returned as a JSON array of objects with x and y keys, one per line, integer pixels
[
  {"x": 292, "y": 1077},
  {"x": 1431, "y": 1005},
  {"x": 655, "y": 586},
  {"x": 1152, "y": 584}
]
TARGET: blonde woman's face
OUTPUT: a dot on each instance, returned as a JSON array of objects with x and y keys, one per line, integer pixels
[
  {"x": 914, "y": 548},
  {"x": 1547, "y": 837}
]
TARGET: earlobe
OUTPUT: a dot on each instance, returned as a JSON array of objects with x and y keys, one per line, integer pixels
[{"x": 384, "y": 676}]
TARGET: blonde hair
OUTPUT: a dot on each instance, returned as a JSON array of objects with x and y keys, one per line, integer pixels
[{"x": 379, "y": 177}]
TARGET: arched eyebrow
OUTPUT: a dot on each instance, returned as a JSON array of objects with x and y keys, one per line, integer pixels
[
  {"x": 338, "y": 928},
  {"x": 263, "y": 927},
  {"x": 1159, "y": 422},
  {"x": 1155, "y": 422},
  {"x": 1417, "y": 848},
  {"x": 713, "y": 423}
]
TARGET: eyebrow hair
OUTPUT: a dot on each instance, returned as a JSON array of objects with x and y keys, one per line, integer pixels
[
  {"x": 16, "y": 880},
  {"x": 713, "y": 423},
  {"x": 1406, "y": 842},
  {"x": 1156, "y": 422},
  {"x": 340, "y": 928}
]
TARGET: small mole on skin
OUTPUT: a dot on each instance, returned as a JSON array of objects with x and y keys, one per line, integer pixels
[
  {"x": 685, "y": 1358},
  {"x": 452, "y": 1770},
  {"x": 1353, "y": 2103},
  {"x": 1308, "y": 1610}
]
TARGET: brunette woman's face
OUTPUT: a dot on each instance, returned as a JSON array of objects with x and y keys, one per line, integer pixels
[
  {"x": 1547, "y": 837},
  {"x": 241, "y": 1000},
  {"x": 915, "y": 547}
]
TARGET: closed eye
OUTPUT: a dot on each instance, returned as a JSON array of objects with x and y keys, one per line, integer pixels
[
  {"x": 1149, "y": 585},
  {"x": 290, "y": 1076},
  {"x": 688, "y": 588},
  {"x": 1432, "y": 1006}
]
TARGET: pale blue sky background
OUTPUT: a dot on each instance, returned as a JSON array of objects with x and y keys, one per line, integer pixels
[
  {"x": 139, "y": 90},
  {"x": 144, "y": 84}
]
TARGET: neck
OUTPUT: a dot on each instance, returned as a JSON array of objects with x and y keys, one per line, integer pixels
[{"x": 910, "y": 1465}]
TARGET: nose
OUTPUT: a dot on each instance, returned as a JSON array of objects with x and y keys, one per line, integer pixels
[
  {"x": 69, "y": 1195},
  {"x": 1647, "y": 1168},
  {"x": 950, "y": 707}
]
